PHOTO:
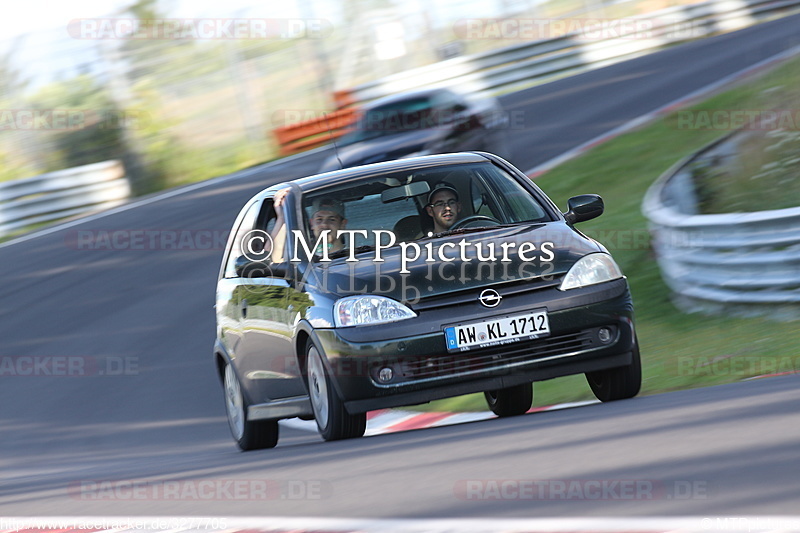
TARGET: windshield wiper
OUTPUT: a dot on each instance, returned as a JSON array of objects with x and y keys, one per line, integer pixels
[{"x": 461, "y": 231}]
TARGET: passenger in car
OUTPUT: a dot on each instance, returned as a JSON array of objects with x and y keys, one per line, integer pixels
[
  {"x": 274, "y": 246},
  {"x": 328, "y": 214}
]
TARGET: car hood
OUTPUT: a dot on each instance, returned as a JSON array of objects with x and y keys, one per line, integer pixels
[
  {"x": 384, "y": 148},
  {"x": 557, "y": 248}
]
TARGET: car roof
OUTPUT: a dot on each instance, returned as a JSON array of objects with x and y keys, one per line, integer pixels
[{"x": 316, "y": 181}]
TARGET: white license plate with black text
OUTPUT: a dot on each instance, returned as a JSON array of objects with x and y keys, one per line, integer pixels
[{"x": 504, "y": 330}]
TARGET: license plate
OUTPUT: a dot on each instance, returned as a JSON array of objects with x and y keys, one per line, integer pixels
[{"x": 497, "y": 331}]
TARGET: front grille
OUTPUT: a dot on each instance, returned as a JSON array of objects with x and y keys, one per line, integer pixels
[
  {"x": 497, "y": 356},
  {"x": 470, "y": 295}
]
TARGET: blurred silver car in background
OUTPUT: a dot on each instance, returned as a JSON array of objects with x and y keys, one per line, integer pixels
[{"x": 422, "y": 122}]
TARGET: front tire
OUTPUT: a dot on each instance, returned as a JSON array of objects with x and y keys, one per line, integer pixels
[
  {"x": 618, "y": 383},
  {"x": 333, "y": 420},
  {"x": 248, "y": 434},
  {"x": 512, "y": 401}
]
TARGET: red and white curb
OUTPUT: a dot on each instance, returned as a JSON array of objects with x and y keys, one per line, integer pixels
[
  {"x": 394, "y": 420},
  {"x": 386, "y": 421},
  {"x": 175, "y": 524}
]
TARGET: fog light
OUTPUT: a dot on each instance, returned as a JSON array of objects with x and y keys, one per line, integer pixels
[
  {"x": 604, "y": 335},
  {"x": 385, "y": 375}
]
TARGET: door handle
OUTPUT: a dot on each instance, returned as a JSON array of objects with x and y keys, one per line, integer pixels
[{"x": 243, "y": 307}]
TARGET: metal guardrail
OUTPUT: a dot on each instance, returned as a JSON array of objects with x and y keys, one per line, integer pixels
[
  {"x": 520, "y": 64},
  {"x": 61, "y": 194},
  {"x": 721, "y": 260}
]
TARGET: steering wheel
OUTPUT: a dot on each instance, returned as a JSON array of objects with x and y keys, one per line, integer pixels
[{"x": 473, "y": 218}]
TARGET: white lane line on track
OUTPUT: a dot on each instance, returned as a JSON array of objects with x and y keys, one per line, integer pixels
[
  {"x": 667, "y": 108},
  {"x": 162, "y": 524},
  {"x": 157, "y": 197}
]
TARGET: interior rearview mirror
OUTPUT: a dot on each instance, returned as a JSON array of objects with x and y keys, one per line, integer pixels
[{"x": 405, "y": 191}]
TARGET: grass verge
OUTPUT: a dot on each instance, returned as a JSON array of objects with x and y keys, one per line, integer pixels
[{"x": 679, "y": 351}]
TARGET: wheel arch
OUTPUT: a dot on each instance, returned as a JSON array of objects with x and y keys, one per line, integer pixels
[
  {"x": 221, "y": 358},
  {"x": 304, "y": 333},
  {"x": 300, "y": 343}
]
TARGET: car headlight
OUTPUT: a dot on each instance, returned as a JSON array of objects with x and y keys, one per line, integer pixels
[
  {"x": 590, "y": 270},
  {"x": 369, "y": 310}
]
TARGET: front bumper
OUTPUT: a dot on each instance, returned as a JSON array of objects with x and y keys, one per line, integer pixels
[{"x": 424, "y": 370}]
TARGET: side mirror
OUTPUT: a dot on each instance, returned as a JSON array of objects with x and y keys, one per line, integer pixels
[
  {"x": 584, "y": 207},
  {"x": 247, "y": 268}
]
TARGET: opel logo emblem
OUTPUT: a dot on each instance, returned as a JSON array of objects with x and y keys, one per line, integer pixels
[{"x": 490, "y": 298}]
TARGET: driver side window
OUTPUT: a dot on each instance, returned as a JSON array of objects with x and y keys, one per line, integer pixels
[
  {"x": 246, "y": 225},
  {"x": 276, "y": 231},
  {"x": 260, "y": 218}
]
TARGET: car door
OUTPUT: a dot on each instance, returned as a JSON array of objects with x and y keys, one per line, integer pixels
[
  {"x": 229, "y": 318},
  {"x": 266, "y": 303}
]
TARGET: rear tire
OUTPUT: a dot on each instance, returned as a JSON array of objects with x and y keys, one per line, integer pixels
[
  {"x": 333, "y": 420},
  {"x": 618, "y": 383},
  {"x": 248, "y": 434},
  {"x": 512, "y": 401}
]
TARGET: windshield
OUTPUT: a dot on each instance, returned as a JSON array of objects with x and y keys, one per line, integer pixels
[
  {"x": 389, "y": 119},
  {"x": 415, "y": 205}
]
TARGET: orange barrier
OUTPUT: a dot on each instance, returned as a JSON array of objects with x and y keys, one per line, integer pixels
[
  {"x": 317, "y": 131},
  {"x": 344, "y": 98}
]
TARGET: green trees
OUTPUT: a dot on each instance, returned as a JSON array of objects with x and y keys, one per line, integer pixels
[{"x": 85, "y": 124}]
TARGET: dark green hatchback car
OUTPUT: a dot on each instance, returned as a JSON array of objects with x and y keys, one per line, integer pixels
[{"x": 408, "y": 281}]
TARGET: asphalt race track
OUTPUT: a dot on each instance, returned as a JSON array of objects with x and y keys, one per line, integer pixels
[{"x": 146, "y": 408}]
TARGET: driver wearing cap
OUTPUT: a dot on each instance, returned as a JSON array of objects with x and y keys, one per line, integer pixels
[{"x": 443, "y": 206}]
